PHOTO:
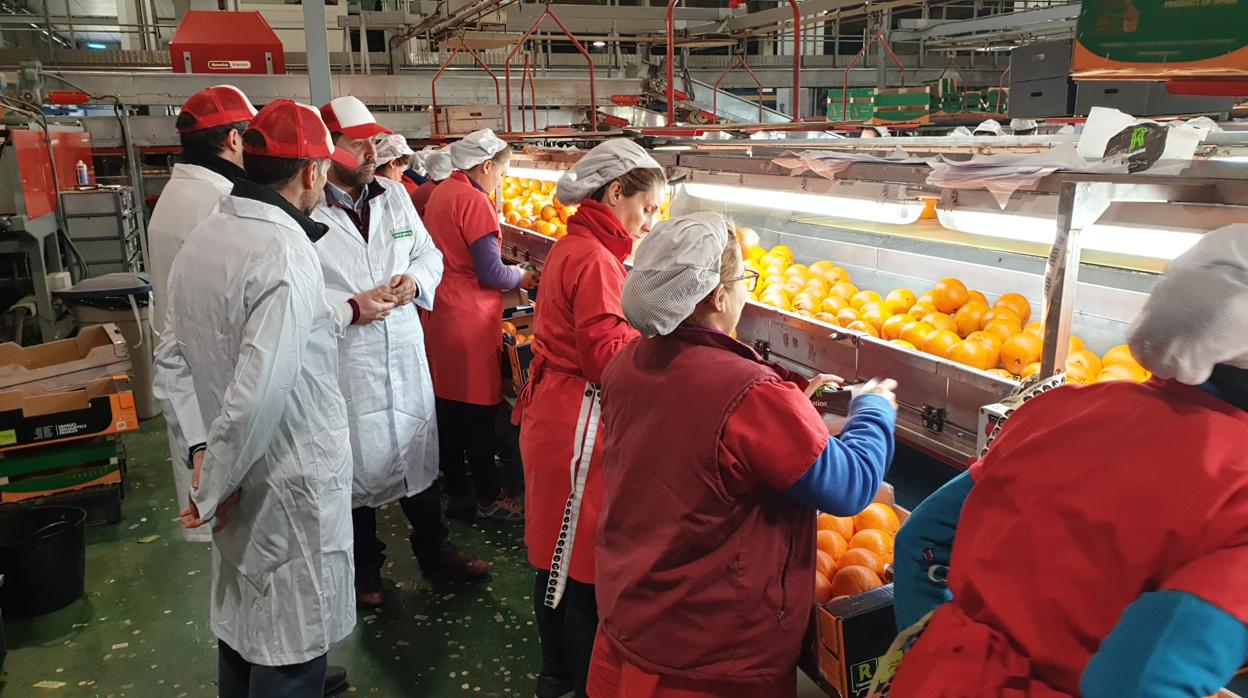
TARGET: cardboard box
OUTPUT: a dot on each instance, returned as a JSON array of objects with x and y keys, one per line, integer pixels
[
  {"x": 104, "y": 406},
  {"x": 97, "y": 352}
]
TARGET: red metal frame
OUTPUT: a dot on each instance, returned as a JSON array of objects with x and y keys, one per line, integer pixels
[
  {"x": 956, "y": 69},
  {"x": 528, "y": 73},
  {"x": 740, "y": 60},
  {"x": 671, "y": 61},
  {"x": 433, "y": 85},
  {"x": 1208, "y": 87},
  {"x": 593, "y": 91},
  {"x": 877, "y": 38}
]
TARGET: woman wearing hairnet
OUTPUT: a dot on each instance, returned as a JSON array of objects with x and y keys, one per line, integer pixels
[
  {"x": 393, "y": 158},
  {"x": 1099, "y": 547},
  {"x": 462, "y": 331},
  {"x": 579, "y": 328},
  {"x": 714, "y": 463},
  {"x": 438, "y": 168}
]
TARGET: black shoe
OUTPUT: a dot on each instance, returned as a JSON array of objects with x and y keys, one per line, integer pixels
[
  {"x": 462, "y": 507},
  {"x": 453, "y": 564},
  {"x": 335, "y": 680},
  {"x": 553, "y": 686}
]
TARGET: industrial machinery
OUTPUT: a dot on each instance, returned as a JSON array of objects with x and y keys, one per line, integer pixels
[{"x": 1085, "y": 250}]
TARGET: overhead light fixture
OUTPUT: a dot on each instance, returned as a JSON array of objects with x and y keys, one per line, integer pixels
[
  {"x": 599, "y": 44},
  {"x": 97, "y": 47},
  {"x": 535, "y": 173},
  {"x": 863, "y": 209}
]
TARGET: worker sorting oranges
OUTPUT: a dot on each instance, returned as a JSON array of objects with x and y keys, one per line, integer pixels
[
  {"x": 1098, "y": 548},
  {"x": 579, "y": 327},
  {"x": 699, "y": 490}
]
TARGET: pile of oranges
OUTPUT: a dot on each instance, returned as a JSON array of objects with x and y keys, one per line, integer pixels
[
  {"x": 513, "y": 336},
  {"x": 854, "y": 552},
  {"x": 949, "y": 321},
  {"x": 531, "y": 204}
]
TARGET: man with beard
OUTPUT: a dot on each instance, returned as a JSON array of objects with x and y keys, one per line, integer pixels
[{"x": 376, "y": 240}]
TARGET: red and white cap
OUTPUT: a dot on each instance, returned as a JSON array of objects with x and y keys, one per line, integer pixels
[
  {"x": 348, "y": 116},
  {"x": 295, "y": 131},
  {"x": 217, "y": 106}
]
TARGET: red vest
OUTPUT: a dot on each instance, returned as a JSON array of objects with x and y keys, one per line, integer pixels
[{"x": 693, "y": 581}]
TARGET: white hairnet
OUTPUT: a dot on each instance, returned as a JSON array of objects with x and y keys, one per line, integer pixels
[
  {"x": 989, "y": 126},
  {"x": 1197, "y": 316},
  {"x": 438, "y": 165},
  {"x": 608, "y": 161},
  {"x": 1023, "y": 125},
  {"x": 476, "y": 148},
  {"x": 676, "y": 266},
  {"x": 392, "y": 147}
]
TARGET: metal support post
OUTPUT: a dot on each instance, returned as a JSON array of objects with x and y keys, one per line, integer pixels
[
  {"x": 1079, "y": 204},
  {"x": 317, "y": 42}
]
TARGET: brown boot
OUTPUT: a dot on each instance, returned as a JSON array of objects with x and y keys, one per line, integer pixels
[{"x": 453, "y": 564}]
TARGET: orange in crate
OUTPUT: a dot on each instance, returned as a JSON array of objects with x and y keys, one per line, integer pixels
[
  {"x": 825, "y": 564},
  {"x": 842, "y": 525},
  {"x": 875, "y": 540},
  {"x": 831, "y": 543},
  {"x": 854, "y": 579},
  {"x": 861, "y": 557},
  {"x": 877, "y": 515}
]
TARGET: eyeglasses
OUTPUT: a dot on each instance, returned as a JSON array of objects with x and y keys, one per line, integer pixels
[{"x": 750, "y": 278}]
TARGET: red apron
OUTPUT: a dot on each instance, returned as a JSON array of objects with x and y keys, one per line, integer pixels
[
  {"x": 610, "y": 676},
  {"x": 420, "y": 197},
  {"x": 463, "y": 335},
  {"x": 1089, "y": 498},
  {"x": 579, "y": 328}
]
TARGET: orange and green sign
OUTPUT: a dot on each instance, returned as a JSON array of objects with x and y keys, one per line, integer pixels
[{"x": 1161, "y": 39}]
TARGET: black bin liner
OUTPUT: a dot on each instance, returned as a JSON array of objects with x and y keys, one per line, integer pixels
[{"x": 42, "y": 559}]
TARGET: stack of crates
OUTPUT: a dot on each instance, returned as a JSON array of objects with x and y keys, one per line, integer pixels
[
  {"x": 63, "y": 408},
  {"x": 881, "y": 106}
]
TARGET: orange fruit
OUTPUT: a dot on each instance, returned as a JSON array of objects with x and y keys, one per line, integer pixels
[
  {"x": 836, "y": 275},
  {"x": 1031, "y": 370},
  {"x": 833, "y": 304},
  {"x": 863, "y": 297},
  {"x": 875, "y": 540},
  {"x": 920, "y": 310},
  {"x": 1090, "y": 361},
  {"x": 976, "y": 297},
  {"x": 819, "y": 267},
  {"x": 949, "y": 295},
  {"x": 1114, "y": 372},
  {"x": 826, "y": 317},
  {"x": 987, "y": 339},
  {"x": 863, "y": 327},
  {"x": 926, "y": 299},
  {"x": 941, "y": 343},
  {"x": 900, "y": 300},
  {"x": 903, "y": 343},
  {"x": 844, "y": 289},
  {"x": 1120, "y": 354},
  {"x": 861, "y": 557},
  {"x": 892, "y": 327},
  {"x": 509, "y": 328},
  {"x": 877, "y": 515},
  {"x": 1079, "y": 374},
  {"x": 798, "y": 270},
  {"x": 846, "y": 316},
  {"x": 971, "y": 353},
  {"x": 803, "y": 301},
  {"x": 843, "y": 525},
  {"x": 831, "y": 543},
  {"x": 1004, "y": 314},
  {"x": 918, "y": 333},
  {"x": 1017, "y": 303},
  {"x": 1019, "y": 350},
  {"x": 804, "y": 313},
  {"x": 823, "y": 589},
  {"x": 817, "y": 285},
  {"x": 549, "y": 213},
  {"x": 1076, "y": 344},
  {"x": 776, "y": 300},
  {"x": 853, "y": 580},
  {"x": 546, "y": 228},
  {"x": 825, "y": 564},
  {"x": 1004, "y": 330},
  {"x": 873, "y": 306},
  {"x": 941, "y": 321},
  {"x": 1002, "y": 373},
  {"x": 793, "y": 286},
  {"x": 1036, "y": 328},
  {"x": 970, "y": 317},
  {"x": 873, "y": 316},
  {"x": 783, "y": 251}
]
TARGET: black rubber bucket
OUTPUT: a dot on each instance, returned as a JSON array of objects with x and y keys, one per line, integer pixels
[{"x": 43, "y": 559}]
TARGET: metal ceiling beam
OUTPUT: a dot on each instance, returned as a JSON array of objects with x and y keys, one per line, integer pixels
[{"x": 1017, "y": 21}]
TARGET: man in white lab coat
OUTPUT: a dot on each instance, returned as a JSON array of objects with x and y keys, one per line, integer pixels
[
  {"x": 211, "y": 127},
  {"x": 248, "y": 364},
  {"x": 375, "y": 239}
]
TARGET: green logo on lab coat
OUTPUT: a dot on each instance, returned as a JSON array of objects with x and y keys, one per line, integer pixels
[{"x": 401, "y": 234}]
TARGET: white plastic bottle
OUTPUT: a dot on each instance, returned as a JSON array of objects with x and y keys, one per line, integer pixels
[{"x": 84, "y": 175}]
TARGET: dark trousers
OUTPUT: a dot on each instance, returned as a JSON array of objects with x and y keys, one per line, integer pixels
[
  {"x": 567, "y": 632},
  {"x": 424, "y": 514},
  {"x": 239, "y": 678},
  {"x": 466, "y": 432}
]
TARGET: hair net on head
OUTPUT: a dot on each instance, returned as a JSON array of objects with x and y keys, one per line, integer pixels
[
  {"x": 676, "y": 266},
  {"x": 476, "y": 148},
  {"x": 610, "y": 160},
  {"x": 1023, "y": 125},
  {"x": 392, "y": 147},
  {"x": 438, "y": 165},
  {"x": 1197, "y": 316},
  {"x": 989, "y": 127}
]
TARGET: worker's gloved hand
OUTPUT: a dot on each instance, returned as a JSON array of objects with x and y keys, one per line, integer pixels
[
  {"x": 404, "y": 289},
  {"x": 884, "y": 389},
  {"x": 822, "y": 380},
  {"x": 529, "y": 278},
  {"x": 375, "y": 305}
]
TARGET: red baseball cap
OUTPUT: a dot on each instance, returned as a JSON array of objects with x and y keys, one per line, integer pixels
[
  {"x": 217, "y": 106},
  {"x": 348, "y": 116},
  {"x": 294, "y": 131}
]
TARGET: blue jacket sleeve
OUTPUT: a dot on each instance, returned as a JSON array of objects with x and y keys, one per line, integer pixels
[
  {"x": 845, "y": 477},
  {"x": 1168, "y": 644},
  {"x": 926, "y": 540}
]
